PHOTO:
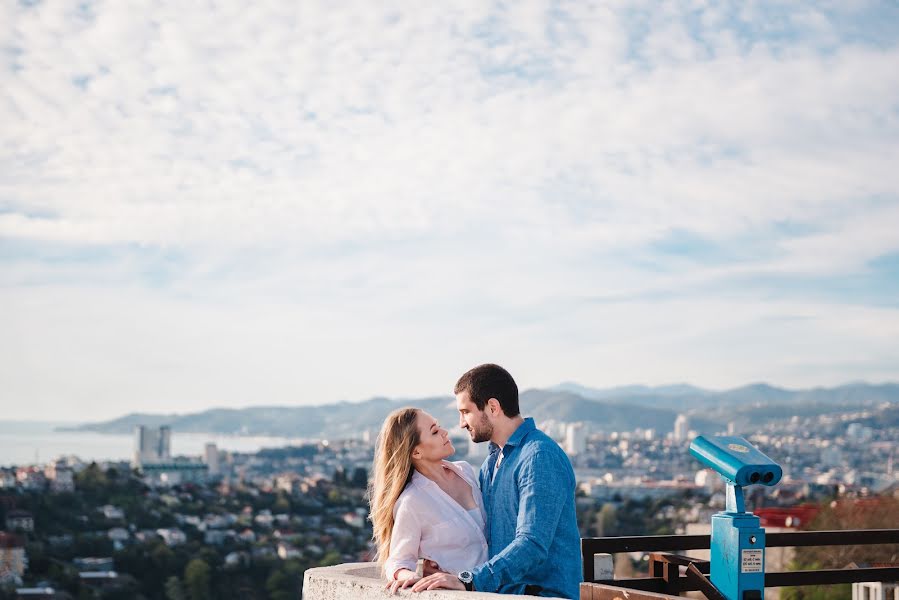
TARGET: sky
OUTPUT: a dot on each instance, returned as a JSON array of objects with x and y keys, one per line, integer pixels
[{"x": 286, "y": 203}]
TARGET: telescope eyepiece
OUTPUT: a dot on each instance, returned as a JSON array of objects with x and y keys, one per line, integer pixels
[
  {"x": 768, "y": 477},
  {"x": 754, "y": 478}
]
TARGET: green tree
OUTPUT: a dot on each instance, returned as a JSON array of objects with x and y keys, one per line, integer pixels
[
  {"x": 360, "y": 478},
  {"x": 285, "y": 581},
  {"x": 92, "y": 481},
  {"x": 174, "y": 590},
  {"x": 606, "y": 521},
  {"x": 196, "y": 579},
  {"x": 340, "y": 476},
  {"x": 864, "y": 513},
  {"x": 282, "y": 503},
  {"x": 329, "y": 559}
]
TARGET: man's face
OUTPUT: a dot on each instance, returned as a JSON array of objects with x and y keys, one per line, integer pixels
[{"x": 475, "y": 421}]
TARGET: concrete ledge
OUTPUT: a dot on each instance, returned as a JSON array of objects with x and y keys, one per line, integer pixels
[{"x": 363, "y": 581}]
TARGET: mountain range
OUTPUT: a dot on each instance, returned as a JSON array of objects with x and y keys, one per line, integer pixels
[{"x": 612, "y": 409}]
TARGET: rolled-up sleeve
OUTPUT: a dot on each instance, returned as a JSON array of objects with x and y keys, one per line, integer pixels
[
  {"x": 404, "y": 542},
  {"x": 541, "y": 498}
]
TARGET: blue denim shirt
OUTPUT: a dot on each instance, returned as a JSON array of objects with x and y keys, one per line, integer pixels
[{"x": 532, "y": 533}]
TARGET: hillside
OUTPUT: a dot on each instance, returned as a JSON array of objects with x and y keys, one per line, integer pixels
[{"x": 616, "y": 409}]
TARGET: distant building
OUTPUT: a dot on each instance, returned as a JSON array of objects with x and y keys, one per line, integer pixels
[
  {"x": 152, "y": 445},
  {"x": 831, "y": 456},
  {"x": 118, "y": 535},
  {"x": 60, "y": 476},
  {"x": 212, "y": 459},
  {"x": 12, "y": 559},
  {"x": 174, "y": 473},
  {"x": 859, "y": 433},
  {"x": 286, "y": 551},
  {"x": 31, "y": 478},
  {"x": 19, "y": 520},
  {"x": 289, "y": 483},
  {"x": 7, "y": 478},
  {"x": 113, "y": 513},
  {"x": 681, "y": 428},
  {"x": 575, "y": 438},
  {"x": 38, "y": 593},
  {"x": 171, "y": 536},
  {"x": 875, "y": 590},
  {"x": 91, "y": 563}
]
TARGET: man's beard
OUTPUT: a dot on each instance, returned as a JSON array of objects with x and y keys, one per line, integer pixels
[{"x": 483, "y": 431}]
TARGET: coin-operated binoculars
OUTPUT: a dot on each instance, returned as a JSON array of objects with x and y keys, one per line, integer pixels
[{"x": 738, "y": 543}]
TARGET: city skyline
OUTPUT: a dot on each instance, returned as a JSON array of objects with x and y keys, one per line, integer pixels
[{"x": 288, "y": 205}]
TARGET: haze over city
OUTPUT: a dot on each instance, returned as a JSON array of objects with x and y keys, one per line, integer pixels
[{"x": 291, "y": 205}]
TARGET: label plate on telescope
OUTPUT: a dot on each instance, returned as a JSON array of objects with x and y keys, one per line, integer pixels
[{"x": 753, "y": 561}]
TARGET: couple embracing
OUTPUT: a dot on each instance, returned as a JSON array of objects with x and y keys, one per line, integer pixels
[{"x": 511, "y": 529}]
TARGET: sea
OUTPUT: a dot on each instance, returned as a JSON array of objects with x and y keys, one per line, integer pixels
[{"x": 36, "y": 443}]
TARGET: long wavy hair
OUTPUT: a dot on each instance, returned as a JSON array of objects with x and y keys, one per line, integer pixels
[{"x": 391, "y": 473}]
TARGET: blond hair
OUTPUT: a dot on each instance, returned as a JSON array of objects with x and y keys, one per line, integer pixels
[{"x": 392, "y": 471}]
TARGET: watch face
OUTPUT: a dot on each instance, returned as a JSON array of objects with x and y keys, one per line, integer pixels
[{"x": 465, "y": 577}]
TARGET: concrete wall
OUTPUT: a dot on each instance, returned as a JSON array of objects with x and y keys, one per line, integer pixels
[{"x": 362, "y": 581}]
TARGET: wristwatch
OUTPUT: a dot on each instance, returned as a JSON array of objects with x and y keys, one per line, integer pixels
[{"x": 467, "y": 580}]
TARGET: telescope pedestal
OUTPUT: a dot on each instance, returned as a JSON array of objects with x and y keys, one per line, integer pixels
[{"x": 738, "y": 551}]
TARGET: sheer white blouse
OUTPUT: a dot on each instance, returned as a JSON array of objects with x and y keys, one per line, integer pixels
[{"x": 428, "y": 523}]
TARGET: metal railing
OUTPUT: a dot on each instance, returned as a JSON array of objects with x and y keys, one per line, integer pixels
[{"x": 672, "y": 574}]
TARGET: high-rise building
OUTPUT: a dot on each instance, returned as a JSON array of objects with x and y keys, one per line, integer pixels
[
  {"x": 152, "y": 445},
  {"x": 211, "y": 458},
  {"x": 681, "y": 428},
  {"x": 575, "y": 438}
]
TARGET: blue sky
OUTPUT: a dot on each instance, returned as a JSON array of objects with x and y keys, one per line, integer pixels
[{"x": 229, "y": 205}]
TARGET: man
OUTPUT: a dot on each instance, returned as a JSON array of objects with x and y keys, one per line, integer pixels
[{"x": 528, "y": 487}]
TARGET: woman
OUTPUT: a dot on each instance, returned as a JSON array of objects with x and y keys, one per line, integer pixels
[{"x": 423, "y": 506}]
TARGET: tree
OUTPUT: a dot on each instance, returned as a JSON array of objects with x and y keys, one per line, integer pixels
[
  {"x": 863, "y": 513},
  {"x": 285, "y": 581},
  {"x": 340, "y": 476},
  {"x": 360, "y": 478},
  {"x": 92, "y": 481},
  {"x": 196, "y": 579},
  {"x": 174, "y": 590}
]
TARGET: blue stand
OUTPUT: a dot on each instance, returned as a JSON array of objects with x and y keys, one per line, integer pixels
[{"x": 738, "y": 550}]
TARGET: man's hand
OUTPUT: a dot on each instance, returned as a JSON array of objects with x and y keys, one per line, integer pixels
[{"x": 439, "y": 581}]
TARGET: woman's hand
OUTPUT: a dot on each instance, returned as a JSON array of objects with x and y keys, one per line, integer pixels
[
  {"x": 398, "y": 584},
  {"x": 404, "y": 579}
]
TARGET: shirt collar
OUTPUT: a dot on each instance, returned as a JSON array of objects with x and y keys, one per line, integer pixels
[
  {"x": 422, "y": 480},
  {"x": 518, "y": 435}
]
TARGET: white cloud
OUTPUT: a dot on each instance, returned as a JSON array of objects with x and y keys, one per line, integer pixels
[{"x": 463, "y": 178}]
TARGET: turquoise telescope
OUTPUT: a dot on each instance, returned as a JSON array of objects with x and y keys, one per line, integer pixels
[
  {"x": 736, "y": 460},
  {"x": 738, "y": 542}
]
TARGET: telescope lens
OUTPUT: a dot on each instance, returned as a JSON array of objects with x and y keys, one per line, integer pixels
[
  {"x": 768, "y": 477},
  {"x": 754, "y": 478}
]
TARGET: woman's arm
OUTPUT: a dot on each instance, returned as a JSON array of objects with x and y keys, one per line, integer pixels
[{"x": 404, "y": 544}]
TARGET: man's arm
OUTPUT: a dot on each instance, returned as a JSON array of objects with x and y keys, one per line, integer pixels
[{"x": 545, "y": 485}]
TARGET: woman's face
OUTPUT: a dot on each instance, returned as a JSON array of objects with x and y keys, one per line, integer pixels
[{"x": 434, "y": 443}]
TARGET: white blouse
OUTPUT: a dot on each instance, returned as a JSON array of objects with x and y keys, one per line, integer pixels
[{"x": 428, "y": 523}]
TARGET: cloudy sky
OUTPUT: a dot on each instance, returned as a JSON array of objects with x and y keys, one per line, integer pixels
[{"x": 209, "y": 204}]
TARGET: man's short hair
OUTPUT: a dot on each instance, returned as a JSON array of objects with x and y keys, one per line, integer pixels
[{"x": 490, "y": 381}]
